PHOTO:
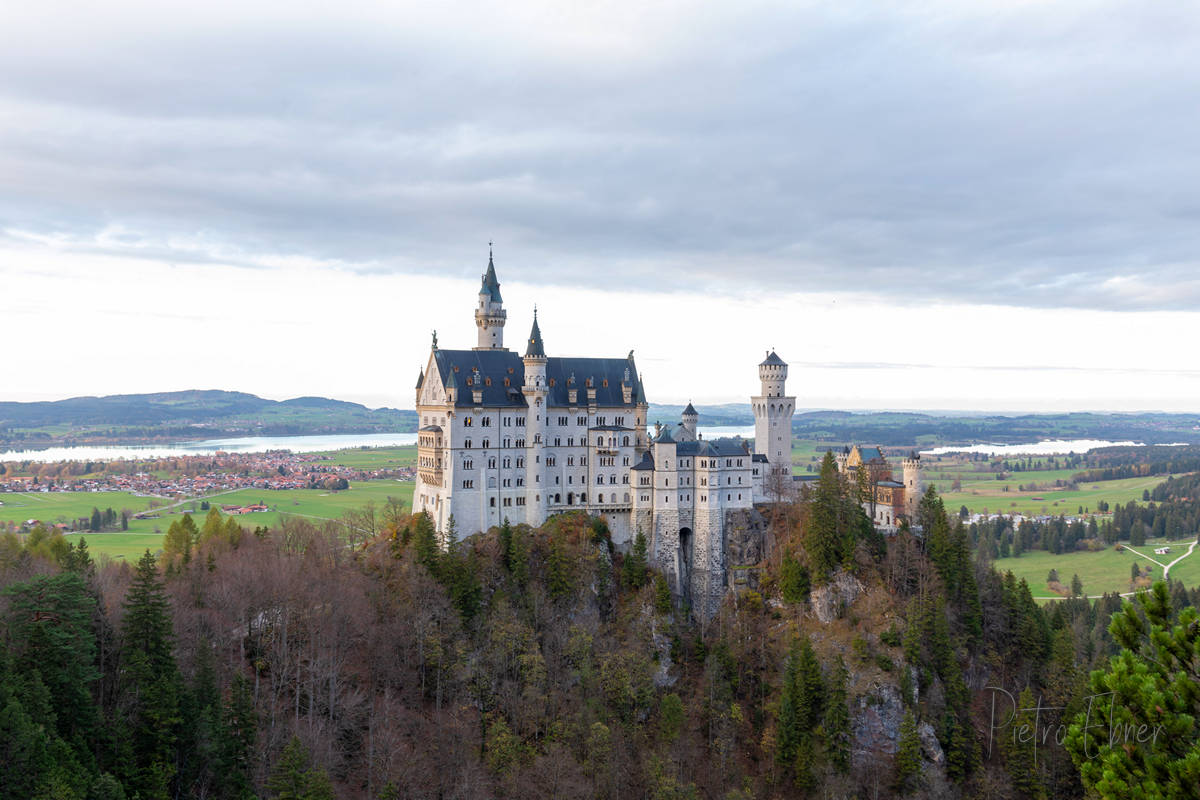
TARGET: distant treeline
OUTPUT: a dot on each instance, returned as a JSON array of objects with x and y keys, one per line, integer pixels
[
  {"x": 1112, "y": 463},
  {"x": 1172, "y": 512},
  {"x": 907, "y": 428}
]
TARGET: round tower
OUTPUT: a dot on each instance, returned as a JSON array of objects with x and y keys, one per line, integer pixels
[
  {"x": 772, "y": 372},
  {"x": 690, "y": 418},
  {"x": 913, "y": 488},
  {"x": 490, "y": 314},
  {"x": 773, "y": 418},
  {"x": 536, "y": 390}
]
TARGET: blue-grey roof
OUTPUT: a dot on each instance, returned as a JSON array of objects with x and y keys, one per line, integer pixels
[
  {"x": 431, "y": 429},
  {"x": 664, "y": 436},
  {"x": 773, "y": 360},
  {"x": 646, "y": 463},
  {"x": 870, "y": 454},
  {"x": 491, "y": 286},
  {"x": 535, "y": 348},
  {"x": 716, "y": 448},
  {"x": 690, "y": 411},
  {"x": 891, "y": 484},
  {"x": 421, "y": 379},
  {"x": 760, "y": 457},
  {"x": 606, "y": 375}
]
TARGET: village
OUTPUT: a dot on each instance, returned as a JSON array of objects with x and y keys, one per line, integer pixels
[{"x": 194, "y": 476}]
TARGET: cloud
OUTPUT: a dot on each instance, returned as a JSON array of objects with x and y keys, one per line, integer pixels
[{"x": 1021, "y": 154}]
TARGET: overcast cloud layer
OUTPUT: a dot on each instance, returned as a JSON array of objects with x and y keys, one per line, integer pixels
[{"x": 1008, "y": 153}]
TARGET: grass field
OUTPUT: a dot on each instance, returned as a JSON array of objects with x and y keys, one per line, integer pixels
[
  {"x": 994, "y": 499},
  {"x": 313, "y": 503},
  {"x": 1103, "y": 571},
  {"x": 376, "y": 457}
]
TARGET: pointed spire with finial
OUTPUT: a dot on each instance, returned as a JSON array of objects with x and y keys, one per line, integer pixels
[
  {"x": 536, "y": 348},
  {"x": 491, "y": 284}
]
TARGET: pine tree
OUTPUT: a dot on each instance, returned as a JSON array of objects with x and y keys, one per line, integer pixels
[
  {"x": 908, "y": 753},
  {"x": 558, "y": 568},
  {"x": 237, "y": 750},
  {"x": 425, "y": 542},
  {"x": 294, "y": 778},
  {"x": 823, "y": 540},
  {"x": 633, "y": 570},
  {"x": 213, "y": 525},
  {"x": 151, "y": 685},
  {"x": 1152, "y": 682},
  {"x": 789, "y": 726},
  {"x": 1020, "y": 754},
  {"x": 837, "y": 719},
  {"x": 794, "y": 582}
]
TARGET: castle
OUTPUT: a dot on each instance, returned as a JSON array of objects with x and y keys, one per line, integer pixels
[
  {"x": 522, "y": 437},
  {"x": 886, "y": 501}
]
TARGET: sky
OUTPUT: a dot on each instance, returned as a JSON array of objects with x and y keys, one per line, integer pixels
[{"x": 927, "y": 205}]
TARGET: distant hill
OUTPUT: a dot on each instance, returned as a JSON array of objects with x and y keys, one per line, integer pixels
[
  {"x": 190, "y": 414},
  {"x": 204, "y": 414}
]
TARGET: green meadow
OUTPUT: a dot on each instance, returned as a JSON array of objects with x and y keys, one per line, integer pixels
[
  {"x": 1104, "y": 571},
  {"x": 376, "y": 457},
  {"x": 316, "y": 504}
]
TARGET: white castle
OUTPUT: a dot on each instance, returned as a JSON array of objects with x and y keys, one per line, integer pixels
[{"x": 520, "y": 438}]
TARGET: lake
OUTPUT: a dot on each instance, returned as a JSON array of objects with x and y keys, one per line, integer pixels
[
  {"x": 261, "y": 444},
  {"x": 247, "y": 444},
  {"x": 1043, "y": 448}
]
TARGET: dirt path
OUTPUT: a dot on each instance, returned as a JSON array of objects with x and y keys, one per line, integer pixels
[{"x": 1167, "y": 568}]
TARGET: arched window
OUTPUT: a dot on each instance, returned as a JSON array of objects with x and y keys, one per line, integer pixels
[{"x": 600, "y": 498}]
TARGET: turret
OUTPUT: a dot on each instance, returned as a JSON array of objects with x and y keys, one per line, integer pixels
[
  {"x": 773, "y": 419},
  {"x": 772, "y": 372},
  {"x": 690, "y": 418},
  {"x": 913, "y": 488},
  {"x": 536, "y": 390},
  {"x": 490, "y": 314}
]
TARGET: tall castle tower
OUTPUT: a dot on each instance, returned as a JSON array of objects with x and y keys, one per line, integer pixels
[
  {"x": 773, "y": 416},
  {"x": 490, "y": 314},
  {"x": 913, "y": 489},
  {"x": 536, "y": 390}
]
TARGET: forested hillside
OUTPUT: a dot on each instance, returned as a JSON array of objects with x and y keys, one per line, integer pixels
[
  {"x": 543, "y": 663},
  {"x": 189, "y": 415}
]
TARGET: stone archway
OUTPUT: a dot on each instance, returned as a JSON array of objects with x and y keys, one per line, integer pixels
[{"x": 684, "y": 564}]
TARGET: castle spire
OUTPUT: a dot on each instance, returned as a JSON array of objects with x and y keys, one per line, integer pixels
[
  {"x": 491, "y": 284},
  {"x": 490, "y": 314},
  {"x": 536, "y": 348}
]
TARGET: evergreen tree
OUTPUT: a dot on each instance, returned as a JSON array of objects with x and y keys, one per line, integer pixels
[
  {"x": 151, "y": 684},
  {"x": 237, "y": 750},
  {"x": 558, "y": 569},
  {"x": 837, "y": 719},
  {"x": 908, "y": 753},
  {"x": 633, "y": 571},
  {"x": 294, "y": 778},
  {"x": 794, "y": 582},
  {"x": 789, "y": 725},
  {"x": 1020, "y": 753},
  {"x": 824, "y": 540},
  {"x": 425, "y": 542},
  {"x": 1139, "y": 736},
  {"x": 213, "y": 525}
]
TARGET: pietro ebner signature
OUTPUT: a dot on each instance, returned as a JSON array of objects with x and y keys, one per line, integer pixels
[{"x": 1027, "y": 724}]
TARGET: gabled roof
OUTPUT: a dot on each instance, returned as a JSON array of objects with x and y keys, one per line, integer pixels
[
  {"x": 664, "y": 436},
  {"x": 773, "y": 360},
  {"x": 563, "y": 374},
  {"x": 491, "y": 286},
  {"x": 868, "y": 454}
]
